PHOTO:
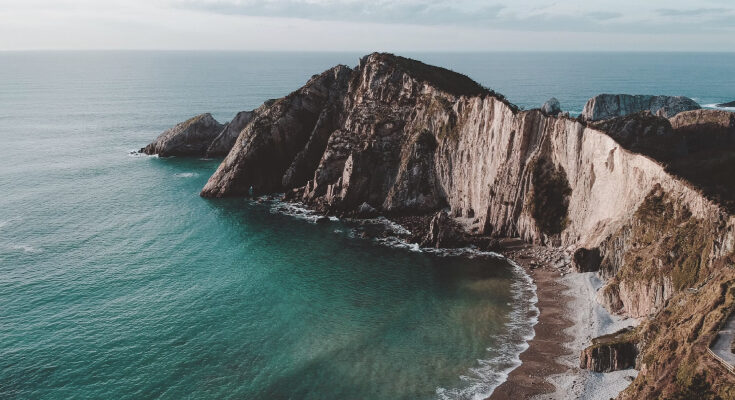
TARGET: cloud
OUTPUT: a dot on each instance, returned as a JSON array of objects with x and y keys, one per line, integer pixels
[
  {"x": 670, "y": 12},
  {"x": 603, "y": 15},
  {"x": 419, "y": 12}
]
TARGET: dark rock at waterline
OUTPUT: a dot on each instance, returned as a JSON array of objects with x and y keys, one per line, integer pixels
[
  {"x": 443, "y": 232},
  {"x": 730, "y": 104},
  {"x": 322, "y": 220},
  {"x": 188, "y": 138}
]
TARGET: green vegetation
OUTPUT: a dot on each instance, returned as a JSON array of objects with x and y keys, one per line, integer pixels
[
  {"x": 548, "y": 199},
  {"x": 693, "y": 385},
  {"x": 666, "y": 240}
]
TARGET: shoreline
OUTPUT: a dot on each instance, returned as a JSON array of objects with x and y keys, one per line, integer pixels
[
  {"x": 568, "y": 315},
  {"x": 540, "y": 360},
  {"x": 569, "y": 318}
]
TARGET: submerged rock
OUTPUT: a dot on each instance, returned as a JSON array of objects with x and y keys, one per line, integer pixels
[
  {"x": 604, "y": 106},
  {"x": 188, "y": 138}
]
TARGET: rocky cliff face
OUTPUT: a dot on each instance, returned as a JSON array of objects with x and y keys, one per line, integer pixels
[
  {"x": 189, "y": 138},
  {"x": 284, "y": 140},
  {"x": 399, "y": 137},
  {"x": 224, "y": 141},
  {"x": 606, "y": 106}
]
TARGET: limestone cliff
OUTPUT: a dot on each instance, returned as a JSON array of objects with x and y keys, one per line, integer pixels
[{"x": 640, "y": 195}]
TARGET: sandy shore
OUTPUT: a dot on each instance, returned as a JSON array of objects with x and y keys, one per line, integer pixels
[{"x": 569, "y": 319}]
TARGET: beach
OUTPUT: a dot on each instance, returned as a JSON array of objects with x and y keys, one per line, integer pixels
[{"x": 569, "y": 318}]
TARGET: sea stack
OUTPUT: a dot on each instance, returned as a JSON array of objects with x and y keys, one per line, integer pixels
[
  {"x": 189, "y": 138},
  {"x": 604, "y": 106}
]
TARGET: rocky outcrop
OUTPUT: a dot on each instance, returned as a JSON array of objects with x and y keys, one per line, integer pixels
[
  {"x": 604, "y": 106},
  {"x": 551, "y": 107},
  {"x": 189, "y": 138},
  {"x": 224, "y": 141},
  {"x": 730, "y": 104},
  {"x": 443, "y": 232},
  {"x": 637, "y": 193},
  {"x": 290, "y": 132},
  {"x": 612, "y": 352}
]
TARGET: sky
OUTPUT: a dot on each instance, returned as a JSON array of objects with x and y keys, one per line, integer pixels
[{"x": 375, "y": 25}]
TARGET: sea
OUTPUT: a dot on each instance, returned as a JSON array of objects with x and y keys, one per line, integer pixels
[{"x": 117, "y": 281}]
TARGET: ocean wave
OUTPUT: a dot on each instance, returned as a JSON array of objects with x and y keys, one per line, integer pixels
[
  {"x": 482, "y": 380},
  {"x": 25, "y": 248},
  {"x": 140, "y": 154},
  {"x": 186, "y": 175},
  {"x": 716, "y": 107}
]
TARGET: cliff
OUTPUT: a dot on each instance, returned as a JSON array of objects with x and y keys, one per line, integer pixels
[
  {"x": 640, "y": 198},
  {"x": 224, "y": 141}
]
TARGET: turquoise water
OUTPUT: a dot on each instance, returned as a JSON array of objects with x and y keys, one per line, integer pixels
[{"x": 118, "y": 281}]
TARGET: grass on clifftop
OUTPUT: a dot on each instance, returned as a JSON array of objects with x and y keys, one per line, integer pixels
[{"x": 442, "y": 78}]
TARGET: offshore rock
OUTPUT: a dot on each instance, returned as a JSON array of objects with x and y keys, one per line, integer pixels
[
  {"x": 551, "y": 107},
  {"x": 222, "y": 144},
  {"x": 730, "y": 104},
  {"x": 188, "y": 138},
  {"x": 604, "y": 106}
]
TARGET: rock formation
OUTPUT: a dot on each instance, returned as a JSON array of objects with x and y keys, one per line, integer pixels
[
  {"x": 606, "y": 106},
  {"x": 224, "y": 141},
  {"x": 612, "y": 352},
  {"x": 188, "y": 138},
  {"x": 551, "y": 107},
  {"x": 639, "y": 197},
  {"x": 730, "y": 104}
]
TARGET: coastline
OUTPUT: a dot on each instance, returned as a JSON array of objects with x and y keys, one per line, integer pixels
[
  {"x": 569, "y": 318},
  {"x": 568, "y": 314}
]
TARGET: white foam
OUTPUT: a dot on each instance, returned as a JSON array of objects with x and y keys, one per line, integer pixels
[
  {"x": 480, "y": 381},
  {"x": 590, "y": 319},
  {"x": 186, "y": 175},
  {"x": 25, "y": 248},
  {"x": 716, "y": 107},
  {"x": 140, "y": 154},
  {"x": 491, "y": 373}
]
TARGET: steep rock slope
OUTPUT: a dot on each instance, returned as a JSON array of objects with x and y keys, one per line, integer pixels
[
  {"x": 224, "y": 141},
  {"x": 402, "y": 137}
]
